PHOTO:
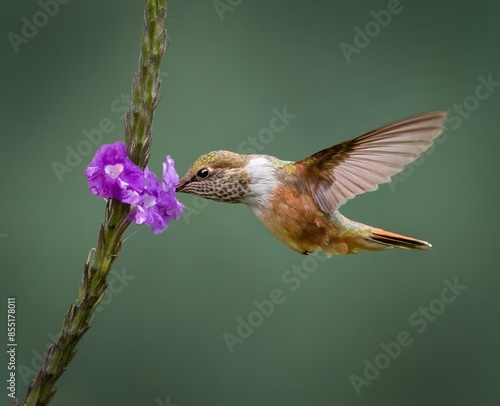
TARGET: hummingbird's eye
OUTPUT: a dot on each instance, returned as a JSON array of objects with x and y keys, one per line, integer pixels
[{"x": 203, "y": 173}]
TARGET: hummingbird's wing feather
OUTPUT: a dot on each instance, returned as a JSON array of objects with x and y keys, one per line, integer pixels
[{"x": 359, "y": 165}]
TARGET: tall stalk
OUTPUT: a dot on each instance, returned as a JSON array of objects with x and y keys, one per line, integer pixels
[{"x": 138, "y": 136}]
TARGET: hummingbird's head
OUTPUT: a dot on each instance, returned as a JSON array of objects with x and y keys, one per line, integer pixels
[{"x": 218, "y": 175}]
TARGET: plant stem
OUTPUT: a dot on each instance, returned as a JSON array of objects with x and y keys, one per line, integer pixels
[{"x": 138, "y": 122}]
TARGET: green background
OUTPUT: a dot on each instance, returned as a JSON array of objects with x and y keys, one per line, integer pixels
[{"x": 161, "y": 334}]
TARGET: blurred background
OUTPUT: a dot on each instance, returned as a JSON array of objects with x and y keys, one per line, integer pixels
[{"x": 174, "y": 328}]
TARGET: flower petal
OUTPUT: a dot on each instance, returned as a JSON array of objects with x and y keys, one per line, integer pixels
[
  {"x": 112, "y": 174},
  {"x": 170, "y": 176},
  {"x": 159, "y": 206}
]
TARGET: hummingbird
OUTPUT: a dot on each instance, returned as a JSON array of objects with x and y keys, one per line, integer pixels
[{"x": 298, "y": 202}]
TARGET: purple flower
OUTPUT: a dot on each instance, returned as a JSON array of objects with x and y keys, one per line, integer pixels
[
  {"x": 170, "y": 181},
  {"x": 158, "y": 205},
  {"x": 170, "y": 176},
  {"x": 112, "y": 174}
]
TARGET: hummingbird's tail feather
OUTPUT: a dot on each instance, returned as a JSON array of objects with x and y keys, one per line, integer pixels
[{"x": 397, "y": 240}]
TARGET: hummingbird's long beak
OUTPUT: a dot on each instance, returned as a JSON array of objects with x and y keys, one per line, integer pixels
[{"x": 182, "y": 184}]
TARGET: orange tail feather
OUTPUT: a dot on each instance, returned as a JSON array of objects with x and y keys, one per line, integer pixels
[{"x": 397, "y": 240}]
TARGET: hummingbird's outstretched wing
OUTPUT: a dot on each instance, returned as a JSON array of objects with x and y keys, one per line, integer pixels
[{"x": 359, "y": 165}]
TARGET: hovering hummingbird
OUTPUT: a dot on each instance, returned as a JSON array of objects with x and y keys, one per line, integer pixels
[{"x": 298, "y": 202}]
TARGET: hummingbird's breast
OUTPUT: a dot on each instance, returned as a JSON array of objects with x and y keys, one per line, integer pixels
[
  {"x": 294, "y": 218},
  {"x": 286, "y": 207},
  {"x": 287, "y": 211}
]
